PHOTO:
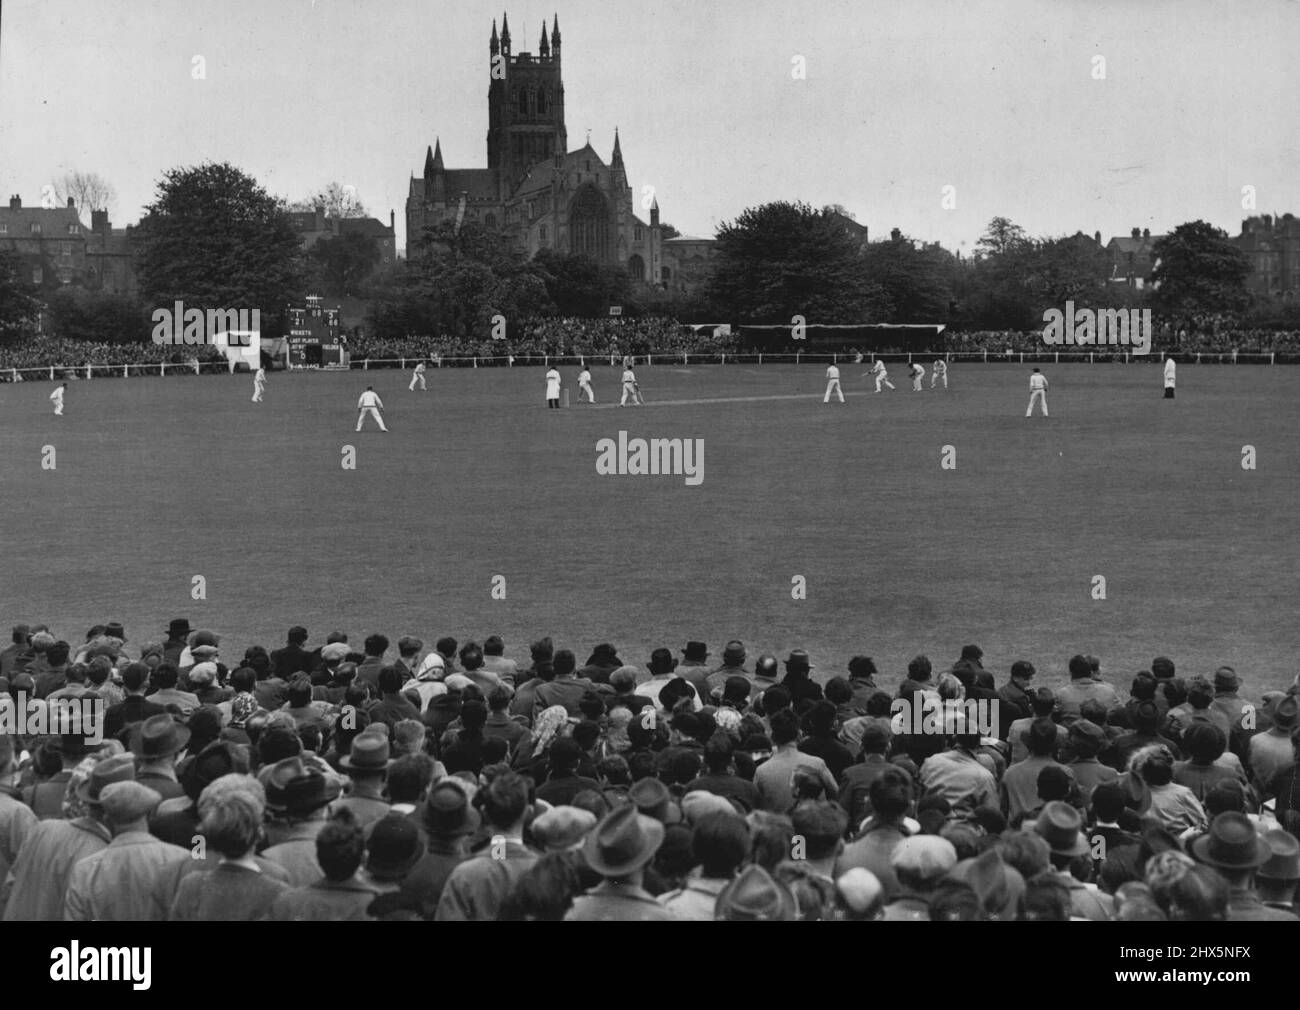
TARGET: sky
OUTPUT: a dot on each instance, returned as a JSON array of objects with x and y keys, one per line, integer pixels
[{"x": 1000, "y": 101}]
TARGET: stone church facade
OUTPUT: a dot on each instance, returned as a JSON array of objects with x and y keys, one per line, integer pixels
[{"x": 534, "y": 189}]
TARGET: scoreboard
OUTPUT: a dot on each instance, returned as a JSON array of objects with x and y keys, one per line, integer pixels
[{"x": 312, "y": 338}]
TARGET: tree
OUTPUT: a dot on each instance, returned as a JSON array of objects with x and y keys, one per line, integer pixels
[
  {"x": 916, "y": 282},
  {"x": 843, "y": 211},
  {"x": 579, "y": 285},
  {"x": 215, "y": 239},
  {"x": 344, "y": 262},
  {"x": 88, "y": 191},
  {"x": 99, "y": 316},
  {"x": 667, "y": 231},
  {"x": 1199, "y": 269},
  {"x": 338, "y": 201},
  {"x": 18, "y": 302},
  {"x": 783, "y": 260}
]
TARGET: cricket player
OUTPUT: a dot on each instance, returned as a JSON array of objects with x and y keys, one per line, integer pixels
[
  {"x": 1037, "y": 391},
  {"x": 259, "y": 384},
  {"x": 882, "y": 376},
  {"x": 372, "y": 404},
  {"x": 940, "y": 371},
  {"x": 417, "y": 376},
  {"x": 630, "y": 387},
  {"x": 553, "y": 388},
  {"x": 584, "y": 385},
  {"x": 833, "y": 384},
  {"x": 918, "y": 373},
  {"x": 57, "y": 397},
  {"x": 1170, "y": 369}
]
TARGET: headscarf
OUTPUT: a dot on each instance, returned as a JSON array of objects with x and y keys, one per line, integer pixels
[
  {"x": 73, "y": 805},
  {"x": 547, "y": 728},
  {"x": 616, "y": 738}
]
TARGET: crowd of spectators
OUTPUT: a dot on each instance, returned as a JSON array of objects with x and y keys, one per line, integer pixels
[
  {"x": 43, "y": 351},
  {"x": 357, "y": 781}
]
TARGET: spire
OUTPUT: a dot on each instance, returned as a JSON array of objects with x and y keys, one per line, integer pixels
[
  {"x": 428, "y": 162},
  {"x": 494, "y": 46},
  {"x": 505, "y": 33},
  {"x": 437, "y": 155},
  {"x": 544, "y": 47},
  {"x": 555, "y": 31},
  {"x": 617, "y": 160}
]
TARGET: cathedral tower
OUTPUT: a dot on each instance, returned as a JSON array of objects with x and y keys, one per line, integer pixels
[{"x": 525, "y": 106}]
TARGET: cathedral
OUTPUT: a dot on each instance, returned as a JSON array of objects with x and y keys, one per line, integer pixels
[{"x": 534, "y": 189}]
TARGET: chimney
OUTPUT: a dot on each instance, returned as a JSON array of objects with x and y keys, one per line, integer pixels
[
  {"x": 99, "y": 221},
  {"x": 320, "y": 219},
  {"x": 895, "y": 234},
  {"x": 1136, "y": 233},
  {"x": 72, "y": 202},
  {"x": 1096, "y": 237},
  {"x": 1146, "y": 232},
  {"x": 392, "y": 220},
  {"x": 15, "y": 203}
]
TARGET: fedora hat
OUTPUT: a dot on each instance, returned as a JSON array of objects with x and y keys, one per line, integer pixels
[
  {"x": 159, "y": 736},
  {"x": 1283, "y": 862},
  {"x": 623, "y": 842},
  {"x": 1232, "y": 843},
  {"x": 447, "y": 811},
  {"x": 1059, "y": 826},
  {"x": 369, "y": 753},
  {"x": 652, "y": 798},
  {"x": 1286, "y": 713},
  {"x": 114, "y": 629},
  {"x": 753, "y": 896},
  {"x": 293, "y": 787},
  {"x": 117, "y": 768},
  {"x": 178, "y": 627}
]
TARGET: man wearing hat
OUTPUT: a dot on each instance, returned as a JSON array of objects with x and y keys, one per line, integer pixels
[
  {"x": 367, "y": 765},
  {"x": 619, "y": 848},
  {"x": 1276, "y": 880},
  {"x": 1061, "y": 827},
  {"x": 562, "y": 828},
  {"x": 177, "y": 819},
  {"x": 52, "y": 848},
  {"x": 694, "y": 667},
  {"x": 449, "y": 821},
  {"x": 663, "y": 668},
  {"x": 1232, "y": 706},
  {"x": 1235, "y": 849},
  {"x": 754, "y": 896},
  {"x": 798, "y": 678},
  {"x": 919, "y": 864},
  {"x": 178, "y": 633},
  {"x": 1087, "y": 740},
  {"x": 297, "y": 795},
  {"x": 116, "y": 883},
  {"x": 1271, "y": 752},
  {"x": 476, "y": 888},
  {"x": 998, "y": 886},
  {"x": 732, "y": 665},
  {"x": 155, "y": 743}
]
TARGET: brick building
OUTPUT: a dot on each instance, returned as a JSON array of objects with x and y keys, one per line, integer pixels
[
  {"x": 109, "y": 266},
  {"x": 1273, "y": 247},
  {"x": 534, "y": 189},
  {"x": 314, "y": 226},
  {"x": 50, "y": 240},
  {"x": 1131, "y": 258}
]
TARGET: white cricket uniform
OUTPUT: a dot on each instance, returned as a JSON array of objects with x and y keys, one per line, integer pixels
[
  {"x": 1170, "y": 369},
  {"x": 552, "y": 385},
  {"x": 371, "y": 404},
  {"x": 57, "y": 397},
  {"x": 833, "y": 384},
  {"x": 918, "y": 373},
  {"x": 259, "y": 384},
  {"x": 1037, "y": 391},
  {"x": 584, "y": 386},
  {"x": 418, "y": 376},
  {"x": 629, "y": 387},
  {"x": 882, "y": 376},
  {"x": 940, "y": 371}
]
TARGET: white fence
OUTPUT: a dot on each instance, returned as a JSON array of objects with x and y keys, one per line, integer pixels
[{"x": 125, "y": 371}]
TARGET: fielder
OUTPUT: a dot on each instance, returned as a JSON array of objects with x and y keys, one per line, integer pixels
[
  {"x": 882, "y": 376},
  {"x": 57, "y": 397},
  {"x": 1170, "y": 369},
  {"x": 584, "y": 385},
  {"x": 553, "y": 389},
  {"x": 417, "y": 376},
  {"x": 918, "y": 373},
  {"x": 940, "y": 371},
  {"x": 630, "y": 388},
  {"x": 259, "y": 384},
  {"x": 370, "y": 403},
  {"x": 1037, "y": 391},
  {"x": 833, "y": 384}
]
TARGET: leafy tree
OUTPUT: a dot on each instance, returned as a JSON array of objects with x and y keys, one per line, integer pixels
[
  {"x": 344, "y": 262},
  {"x": 1199, "y": 269},
  {"x": 99, "y": 316},
  {"x": 782, "y": 260},
  {"x": 18, "y": 302},
  {"x": 579, "y": 285},
  {"x": 338, "y": 201},
  {"x": 667, "y": 231},
  {"x": 916, "y": 282},
  {"x": 213, "y": 238}
]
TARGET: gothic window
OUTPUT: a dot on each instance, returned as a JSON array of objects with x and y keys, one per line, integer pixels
[
  {"x": 666, "y": 275},
  {"x": 636, "y": 267},
  {"x": 589, "y": 224},
  {"x": 541, "y": 101},
  {"x": 638, "y": 233},
  {"x": 490, "y": 222},
  {"x": 523, "y": 101},
  {"x": 542, "y": 233}
]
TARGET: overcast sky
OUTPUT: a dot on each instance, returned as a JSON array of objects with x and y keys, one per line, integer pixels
[{"x": 900, "y": 99}]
